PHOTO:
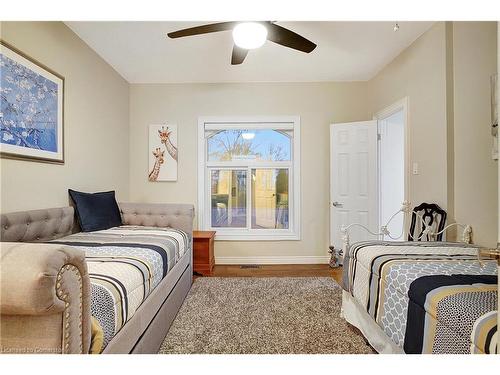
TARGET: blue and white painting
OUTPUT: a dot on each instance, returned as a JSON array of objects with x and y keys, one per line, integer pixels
[{"x": 30, "y": 109}]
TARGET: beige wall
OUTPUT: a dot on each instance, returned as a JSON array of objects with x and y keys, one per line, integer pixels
[
  {"x": 475, "y": 173},
  {"x": 318, "y": 105},
  {"x": 435, "y": 73},
  {"x": 96, "y": 122},
  {"x": 419, "y": 74},
  {"x": 445, "y": 73}
]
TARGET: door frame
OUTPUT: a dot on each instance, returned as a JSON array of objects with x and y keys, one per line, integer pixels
[{"x": 404, "y": 105}]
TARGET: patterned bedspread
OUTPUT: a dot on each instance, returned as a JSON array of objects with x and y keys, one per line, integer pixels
[
  {"x": 428, "y": 297},
  {"x": 125, "y": 264}
]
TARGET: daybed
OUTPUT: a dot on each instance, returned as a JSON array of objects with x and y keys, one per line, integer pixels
[{"x": 130, "y": 279}]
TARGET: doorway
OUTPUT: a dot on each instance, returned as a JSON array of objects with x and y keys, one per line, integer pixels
[{"x": 391, "y": 171}]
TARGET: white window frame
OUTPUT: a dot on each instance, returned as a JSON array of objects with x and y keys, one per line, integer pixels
[{"x": 259, "y": 122}]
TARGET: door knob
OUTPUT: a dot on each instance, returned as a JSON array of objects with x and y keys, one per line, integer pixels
[{"x": 336, "y": 204}]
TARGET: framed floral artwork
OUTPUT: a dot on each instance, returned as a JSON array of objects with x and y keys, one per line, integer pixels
[{"x": 31, "y": 108}]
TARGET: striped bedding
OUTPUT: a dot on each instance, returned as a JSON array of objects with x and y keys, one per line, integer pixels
[
  {"x": 125, "y": 264},
  {"x": 485, "y": 334},
  {"x": 428, "y": 297}
]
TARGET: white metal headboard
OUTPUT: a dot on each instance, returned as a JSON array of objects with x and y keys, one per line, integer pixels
[{"x": 404, "y": 210}]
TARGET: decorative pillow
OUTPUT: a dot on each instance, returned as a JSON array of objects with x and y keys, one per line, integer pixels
[{"x": 96, "y": 211}]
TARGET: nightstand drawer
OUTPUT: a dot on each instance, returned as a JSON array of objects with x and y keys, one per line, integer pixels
[{"x": 202, "y": 251}]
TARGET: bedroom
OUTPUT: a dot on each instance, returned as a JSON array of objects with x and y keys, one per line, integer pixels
[{"x": 245, "y": 150}]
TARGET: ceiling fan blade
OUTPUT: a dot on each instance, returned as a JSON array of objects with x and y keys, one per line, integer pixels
[
  {"x": 204, "y": 29},
  {"x": 239, "y": 55},
  {"x": 287, "y": 38}
]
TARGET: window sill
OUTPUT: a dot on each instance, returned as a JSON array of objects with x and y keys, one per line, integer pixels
[{"x": 225, "y": 236}]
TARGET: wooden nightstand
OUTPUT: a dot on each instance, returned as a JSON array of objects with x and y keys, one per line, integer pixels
[{"x": 203, "y": 243}]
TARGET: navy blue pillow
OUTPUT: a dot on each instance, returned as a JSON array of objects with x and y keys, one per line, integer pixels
[{"x": 96, "y": 211}]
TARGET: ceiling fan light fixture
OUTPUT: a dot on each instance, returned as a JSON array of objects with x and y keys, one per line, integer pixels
[{"x": 249, "y": 35}]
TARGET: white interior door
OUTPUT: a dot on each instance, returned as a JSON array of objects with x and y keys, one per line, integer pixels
[{"x": 353, "y": 179}]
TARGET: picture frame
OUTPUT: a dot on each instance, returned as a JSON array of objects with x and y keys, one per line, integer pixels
[
  {"x": 162, "y": 153},
  {"x": 31, "y": 108}
]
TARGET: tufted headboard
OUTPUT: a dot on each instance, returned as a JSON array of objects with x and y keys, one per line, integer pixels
[
  {"x": 52, "y": 223},
  {"x": 179, "y": 216},
  {"x": 37, "y": 225}
]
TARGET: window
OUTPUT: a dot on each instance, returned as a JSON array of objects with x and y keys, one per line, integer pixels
[{"x": 249, "y": 178}]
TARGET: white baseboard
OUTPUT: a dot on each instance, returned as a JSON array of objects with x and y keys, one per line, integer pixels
[{"x": 273, "y": 260}]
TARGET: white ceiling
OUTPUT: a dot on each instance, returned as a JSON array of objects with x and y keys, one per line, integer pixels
[{"x": 347, "y": 51}]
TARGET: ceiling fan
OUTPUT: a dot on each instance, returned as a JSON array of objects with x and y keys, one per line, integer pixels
[{"x": 250, "y": 35}]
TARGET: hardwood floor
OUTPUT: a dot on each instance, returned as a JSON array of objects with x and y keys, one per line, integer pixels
[{"x": 285, "y": 270}]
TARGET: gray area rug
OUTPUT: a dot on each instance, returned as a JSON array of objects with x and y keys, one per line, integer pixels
[{"x": 263, "y": 315}]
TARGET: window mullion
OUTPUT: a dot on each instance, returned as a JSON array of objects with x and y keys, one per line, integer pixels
[
  {"x": 249, "y": 198},
  {"x": 291, "y": 200},
  {"x": 258, "y": 165}
]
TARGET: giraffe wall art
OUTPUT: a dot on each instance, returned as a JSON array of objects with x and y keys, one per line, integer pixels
[{"x": 162, "y": 153}]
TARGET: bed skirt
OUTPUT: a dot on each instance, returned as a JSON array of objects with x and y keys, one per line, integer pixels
[{"x": 354, "y": 314}]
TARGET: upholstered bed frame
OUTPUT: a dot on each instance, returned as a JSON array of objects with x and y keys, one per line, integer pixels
[{"x": 42, "y": 283}]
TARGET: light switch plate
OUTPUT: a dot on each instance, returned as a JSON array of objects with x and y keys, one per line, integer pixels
[{"x": 415, "y": 168}]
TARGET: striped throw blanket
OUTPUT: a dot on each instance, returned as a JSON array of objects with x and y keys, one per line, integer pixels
[
  {"x": 125, "y": 264},
  {"x": 427, "y": 297}
]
